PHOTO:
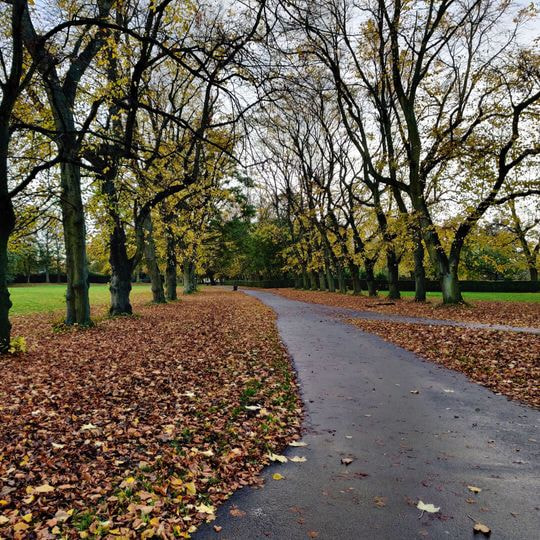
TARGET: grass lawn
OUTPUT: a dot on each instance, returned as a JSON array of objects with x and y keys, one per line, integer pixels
[
  {"x": 43, "y": 297},
  {"x": 488, "y": 296}
]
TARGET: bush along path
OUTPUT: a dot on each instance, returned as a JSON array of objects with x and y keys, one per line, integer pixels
[
  {"x": 395, "y": 447},
  {"x": 141, "y": 426}
]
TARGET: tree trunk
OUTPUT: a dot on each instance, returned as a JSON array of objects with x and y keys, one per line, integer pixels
[
  {"x": 313, "y": 281},
  {"x": 341, "y": 281},
  {"x": 322, "y": 281},
  {"x": 158, "y": 295},
  {"x": 393, "y": 274},
  {"x": 533, "y": 273},
  {"x": 305, "y": 281},
  {"x": 330, "y": 279},
  {"x": 170, "y": 271},
  {"x": 189, "y": 277},
  {"x": 355, "y": 275},
  {"x": 121, "y": 272},
  {"x": 77, "y": 300},
  {"x": 297, "y": 281},
  {"x": 7, "y": 223},
  {"x": 419, "y": 271},
  {"x": 370, "y": 280},
  {"x": 450, "y": 283}
]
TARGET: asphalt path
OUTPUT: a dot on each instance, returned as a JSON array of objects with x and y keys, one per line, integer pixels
[{"x": 413, "y": 430}]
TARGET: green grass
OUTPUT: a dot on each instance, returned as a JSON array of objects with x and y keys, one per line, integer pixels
[
  {"x": 42, "y": 297},
  {"x": 490, "y": 296}
]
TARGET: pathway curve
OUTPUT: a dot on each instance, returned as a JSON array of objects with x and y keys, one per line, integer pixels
[{"x": 428, "y": 446}]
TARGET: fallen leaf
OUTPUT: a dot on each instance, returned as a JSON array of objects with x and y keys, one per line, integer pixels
[
  {"x": 430, "y": 508},
  {"x": 297, "y": 443},
  {"x": 297, "y": 459},
  {"x": 474, "y": 489},
  {"x": 3, "y": 520},
  {"x": 217, "y": 528},
  {"x": 277, "y": 457},
  {"x": 415, "y": 391},
  {"x": 87, "y": 427},
  {"x": 205, "y": 509},
  {"x": 380, "y": 502},
  {"x": 236, "y": 512},
  {"x": 313, "y": 534},
  {"x": 347, "y": 460},
  {"x": 481, "y": 528},
  {"x": 44, "y": 488},
  {"x": 277, "y": 476}
]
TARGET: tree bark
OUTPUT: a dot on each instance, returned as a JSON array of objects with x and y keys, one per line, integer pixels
[
  {"x": 341, "y": 280},
  {"x": 313, "y": 281},
  {"x": 158, "y": 294},
  {"x": 393, "y": 274},
  {"x": 7, "y": 223},
  {"x": 533, "y": 273},
  {"x": 355, "y": 275},
  {"x": 77, "y": 299},
  {"x": 189, "y": 277},
  {"x": 170, "y": 270},
  {"x": 370, "y": 279},
  {"x": 305, "y": 280},
  {"x": 322, "y": 281},
  {"x": 330, "y": 279},
  {"x": 419, "y": 270},
  {"x": 121, "y": 272}
]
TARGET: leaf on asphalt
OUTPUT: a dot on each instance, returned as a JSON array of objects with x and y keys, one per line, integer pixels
[
  {"x": 218, "y": 528},
  {"x": 415, "y": 391},
  {"x": 297, "y": 459},
  {"x": 481, "y": 528},
  {"x": 236, "y": 512},
  {"x": 380, "y": 502},
  {"x": 474, "y": 489},
  {"x": 430, "y": 508},
  {"x": 313, "y": 534},
  {"x": 347, "y": 460},
  {"x": 277, "y": 457},
  {"x": 297, "y": 443},
  {"x": 277, "y": 476}
]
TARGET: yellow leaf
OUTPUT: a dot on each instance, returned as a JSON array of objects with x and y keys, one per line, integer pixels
[
  {"x": 480, "y": 527},
  {"x": 21, "y": 526},
  {"x": 297, "y": 443},
  {"x": 205, "y": 509},
  {"x": 190, "y": 488},
  {"x": 277, "y": 476},
  {"x": 277, "y": 457},
  {"x": 55, "y": 529},
  {"x": 27, "y": 517},
  {"x": 3, "y": 520},
  {"x": 3, "y": 502},
  {"x": 474, "y": 489},
  {"x": 154, "y": 521}
]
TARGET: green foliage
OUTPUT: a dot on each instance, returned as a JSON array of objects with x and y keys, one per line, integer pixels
[{"x": 17, "y": 345}]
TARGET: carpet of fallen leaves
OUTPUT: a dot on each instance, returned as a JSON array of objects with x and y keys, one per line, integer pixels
[
  {"x": 508, "y": 313},
  {"x": 140, "y": 426},
  {"x": 505, "y": 362}
]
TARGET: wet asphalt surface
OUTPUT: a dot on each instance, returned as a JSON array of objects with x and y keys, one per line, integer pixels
[{"x": 405, "y": 447}]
